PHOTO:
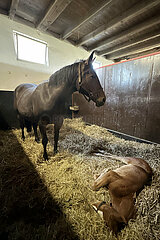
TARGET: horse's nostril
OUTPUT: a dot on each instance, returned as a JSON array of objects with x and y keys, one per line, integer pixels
[{"x": 104, "y": 99}]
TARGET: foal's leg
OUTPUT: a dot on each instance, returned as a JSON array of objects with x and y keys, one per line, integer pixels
[
  {"x": 57, "y": 125},
  {"x": 105, "y": 179},
  {"x": 44, "y": 140},
  {"x": 35, "y": 132}
]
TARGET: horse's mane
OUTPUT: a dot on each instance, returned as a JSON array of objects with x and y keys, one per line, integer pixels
[{"x": 63, "y": 75}]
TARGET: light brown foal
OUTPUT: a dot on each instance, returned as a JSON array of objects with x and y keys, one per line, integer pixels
[{"x": 122, "y": 183}]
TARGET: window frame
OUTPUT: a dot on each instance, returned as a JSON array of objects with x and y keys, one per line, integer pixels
[{"x": 15, "y": 38}]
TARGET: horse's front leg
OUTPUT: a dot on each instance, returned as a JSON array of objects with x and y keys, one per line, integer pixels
[
  {"x": 57, "y": 125},
  {"x": 44, "y": 140},
  {"x": 35, "y": 124}
]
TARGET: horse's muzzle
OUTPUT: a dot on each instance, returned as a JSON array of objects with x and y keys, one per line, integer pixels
[{"x": 100, "y": 101}]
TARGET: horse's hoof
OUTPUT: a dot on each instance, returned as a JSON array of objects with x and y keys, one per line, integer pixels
[
  {"x": 55, "y": 152},
  {"x": 45, "y": 156},
  {"x": 23, "y": 138},
  {"x": 37, "y": 140}
]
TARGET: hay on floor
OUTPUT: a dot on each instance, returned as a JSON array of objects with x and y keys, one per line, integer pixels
[{"x": 60, "y": 187}]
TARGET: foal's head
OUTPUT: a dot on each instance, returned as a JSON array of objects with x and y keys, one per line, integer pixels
[{"x": 88, "y": 82}]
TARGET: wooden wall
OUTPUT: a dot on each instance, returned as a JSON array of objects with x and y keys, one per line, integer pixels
[
  {"x": 132, "y": 99},
  {"x": 8, "y": 118}
]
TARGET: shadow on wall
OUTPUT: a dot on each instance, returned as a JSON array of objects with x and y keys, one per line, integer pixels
[
  {"x": 27, "y": 209},
  {"x": 8, "y": 117}
]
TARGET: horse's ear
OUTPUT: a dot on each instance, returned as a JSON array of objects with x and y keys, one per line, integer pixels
[{"x": 90, "y": 59}]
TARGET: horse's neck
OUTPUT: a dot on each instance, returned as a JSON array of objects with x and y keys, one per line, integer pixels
[{"x": 65, "y": 80}]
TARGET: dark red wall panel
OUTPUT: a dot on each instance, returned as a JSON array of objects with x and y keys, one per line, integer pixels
[{"x": 132, "y": 99}]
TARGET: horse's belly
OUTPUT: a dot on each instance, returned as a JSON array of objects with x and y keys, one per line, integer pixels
[
  {"x": 25, "y": 111},
  {"x": 24, "y": 106}
]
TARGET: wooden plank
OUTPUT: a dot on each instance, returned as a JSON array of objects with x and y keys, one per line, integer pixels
[
  {"x": 24, "y": 21},
  {"x": 147, "y": 36},
  {"x": 145, "y": 46},
  {"x": 99, "y": 6},
  {"x": 145, "y": 53},
  {"x": 52, "y": 13},
  {"x": 127, "y": 33},
  {"x": 124, "y": 17},
  {"x": 13, "y": 8}
]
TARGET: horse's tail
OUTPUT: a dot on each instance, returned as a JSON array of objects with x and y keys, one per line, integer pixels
[{"x": 15, "y": 99}]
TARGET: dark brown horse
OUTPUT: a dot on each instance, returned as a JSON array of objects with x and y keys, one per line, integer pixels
[{"x": 45, "y": 103}]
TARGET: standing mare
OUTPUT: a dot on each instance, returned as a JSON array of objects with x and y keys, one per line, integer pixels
[{"x": 45, "y": 103}]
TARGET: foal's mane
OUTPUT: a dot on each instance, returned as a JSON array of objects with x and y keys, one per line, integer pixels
[{"x": 65, "y": 74}]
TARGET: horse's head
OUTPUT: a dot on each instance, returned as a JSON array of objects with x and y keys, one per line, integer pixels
[
  {"x": 111, "y": 217},
  {"x": 88, "y": 82}
]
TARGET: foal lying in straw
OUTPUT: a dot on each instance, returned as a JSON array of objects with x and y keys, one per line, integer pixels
[{"x": 124, "y": 184}]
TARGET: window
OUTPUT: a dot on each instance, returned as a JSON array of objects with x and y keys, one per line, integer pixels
[{"x": 30, "y": 49}]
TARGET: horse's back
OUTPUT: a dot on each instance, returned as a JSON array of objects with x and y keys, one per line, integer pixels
[{"x": 23, "y": 98}]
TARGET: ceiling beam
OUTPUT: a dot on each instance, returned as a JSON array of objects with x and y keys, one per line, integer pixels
[
  {"x": 131, "y": 13},
  {"x": 145, "y": 46},
  {"x": 13, "y": 8},
  {"x": 129, "y": 43},
  {"x": 125, "y": 35},
  {"x": 154, "y": 50},
  {"x": 24, "y": 21},
  {"x": 93, "y": 11},
  {"x": 52, "y": 13}
]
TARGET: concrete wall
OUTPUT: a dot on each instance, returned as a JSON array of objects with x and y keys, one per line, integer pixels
[{"x": 13, "y": 71}]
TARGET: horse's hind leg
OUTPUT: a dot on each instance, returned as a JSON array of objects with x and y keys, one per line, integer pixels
[
  {"x": 105, "y": 179},
  {"x": 35, "y": 132},
  {"x": 21, "y": 120},
  {"x": 56, "y": 137},
  {"x": 57, "y": 126},
  {"x": 44, "y": 140}
]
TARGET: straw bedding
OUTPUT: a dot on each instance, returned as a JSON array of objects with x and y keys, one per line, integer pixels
[{"x": 52, "y": 200}]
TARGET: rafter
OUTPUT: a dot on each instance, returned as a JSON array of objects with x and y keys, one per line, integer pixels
[
  {"x": 138, "y": 9},
  {"x": 13, "y": 8},
  {"x": 127, "y": 33},
  {"x": 52, "y": 13},
  {"x": 151, "y": 51},
  {"x": 99, "y": 6},
  {"x": 145, "y": 46},
  {"x": 147, "y": 36}
]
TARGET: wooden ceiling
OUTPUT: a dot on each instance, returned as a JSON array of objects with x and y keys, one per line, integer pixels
[{"x": 115, "y": 29}]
